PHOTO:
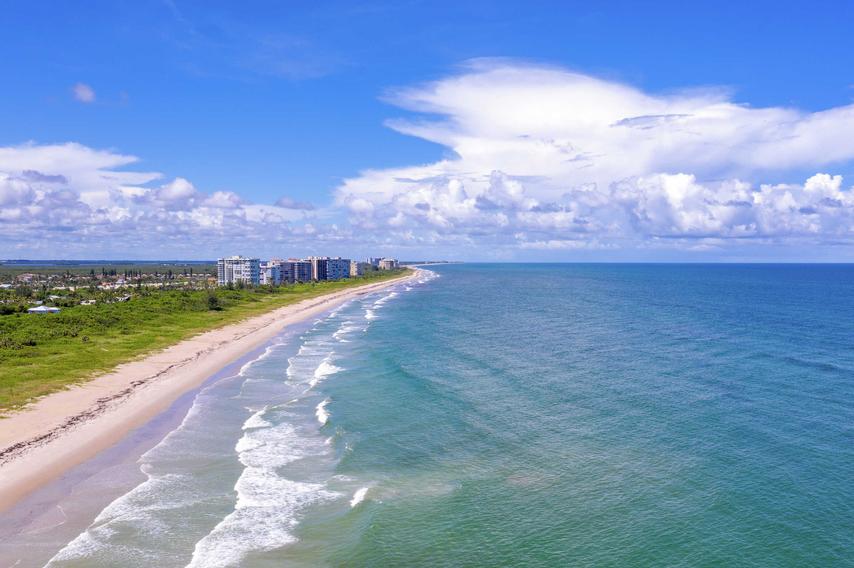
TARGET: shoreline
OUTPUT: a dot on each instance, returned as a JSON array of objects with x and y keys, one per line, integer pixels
[{"x": 64, "y": 429}]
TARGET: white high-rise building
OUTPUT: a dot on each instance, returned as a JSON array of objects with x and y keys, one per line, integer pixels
[
  {"x": 388, "y": 263},
  {"x": 234, "y": 269},
  {"x": 271, "y": 272}
]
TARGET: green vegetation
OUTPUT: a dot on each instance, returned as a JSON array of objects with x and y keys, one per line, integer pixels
[
  {"x": 40, "y": 354},
  {"x": 127, "y": 269}
]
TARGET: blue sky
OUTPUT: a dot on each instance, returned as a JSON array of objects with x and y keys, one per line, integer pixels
[{"x": 267, "y": 100}]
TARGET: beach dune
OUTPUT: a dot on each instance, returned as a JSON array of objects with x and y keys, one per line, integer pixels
[{"x": 62, "y": 430}]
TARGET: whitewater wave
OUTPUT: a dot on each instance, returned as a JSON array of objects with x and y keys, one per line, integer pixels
[
  {"x": 385, "y": 299},
  {"x": 268, "y": 504},
  {"x": 257, "y": 420},
  {"x": 426, "y": 276},
  {"x": 274, "y": 446},
  {"x": 325, "y": 369},
  {"x": 321, "y": 413},
  {"x": 263, "y": 519},
  {"x": 358, "y": 496},
  {"x": 138, "y": 507},
  {"x": 267, "y": 352},
  {"x": 316, "y": 347},
  {"x": 346, "y": 329}
]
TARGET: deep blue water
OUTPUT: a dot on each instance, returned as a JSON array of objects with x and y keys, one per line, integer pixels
[{"x": 530, "y": 415}]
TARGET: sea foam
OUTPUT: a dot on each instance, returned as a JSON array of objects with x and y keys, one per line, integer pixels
[
  {"x": 358, "y": 496},
  {"x": 323, "y": 370},
  {"x": 321, "y": 413},
  {"x": 257, "y": 420},
  {"x": 264, "y": 516},
  {"x": 267, "y": 504}
]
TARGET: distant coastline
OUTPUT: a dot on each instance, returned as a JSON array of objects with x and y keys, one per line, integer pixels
[{"x": 64, "y": 429}]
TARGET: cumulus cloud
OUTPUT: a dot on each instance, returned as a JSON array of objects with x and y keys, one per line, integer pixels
[
  {"x": 550, "y": 159},
  {"x": 69, "y": 200},
  {"x": 83, "y": 93},
  {"x": 176, "y": 194},
  {"x": 539, "y": 160},
  {"x": 223, "y": 200}
]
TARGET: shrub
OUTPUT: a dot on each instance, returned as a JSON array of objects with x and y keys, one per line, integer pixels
[{"x": 213, "y": 302}]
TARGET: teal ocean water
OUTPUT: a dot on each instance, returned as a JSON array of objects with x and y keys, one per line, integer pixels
[{"x": 521, "y": 415}]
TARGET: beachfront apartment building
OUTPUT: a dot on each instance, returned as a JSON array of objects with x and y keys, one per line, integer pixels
[
  {"x": 337, "y": 268},
  {"x": 319, "y": 265},
  {"x": 236, "y": 269},
  {"x": 326, "y": 268},
  {"x": 271, "y": 272},
  {"x": 383, "y": 263},
  {"x": 358, "y": 268},
  {"x": 294, "y": 270},
  {"x": 301, "y": 270}
]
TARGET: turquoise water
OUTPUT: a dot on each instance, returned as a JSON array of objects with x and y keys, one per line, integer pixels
[{"x": 521, "y": 415}]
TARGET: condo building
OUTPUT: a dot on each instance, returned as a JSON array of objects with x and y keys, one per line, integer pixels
[
  {"x": 235, "y": 269},
  {"x": 318, "y": 267},
  {"x": 337, "y": 268},
  {"x": 301, "y": 270},
  {"x": 271, "y": 273},
  {"x": 294, "y": 270}
]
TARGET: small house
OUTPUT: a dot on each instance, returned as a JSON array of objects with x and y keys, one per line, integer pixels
[{"x": 43, "y": 310}]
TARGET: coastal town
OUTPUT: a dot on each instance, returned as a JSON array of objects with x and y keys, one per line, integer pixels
[
  {"x": 61, "y": 320},
  {"x": 48, "y": 289}
]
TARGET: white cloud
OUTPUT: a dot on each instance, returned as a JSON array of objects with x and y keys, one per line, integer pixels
[
  {"x": 69, "y": 200},
  {"x": 223, "y": 200},
  {"x": 83, "y": 93},
  {"x": 539, "y": 161},
  {"x": 549, "y": 159},
  {"x": 177, "y": 194}
]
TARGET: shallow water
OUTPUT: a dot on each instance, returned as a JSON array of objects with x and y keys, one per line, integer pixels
[{"x": 537, "y": 415}]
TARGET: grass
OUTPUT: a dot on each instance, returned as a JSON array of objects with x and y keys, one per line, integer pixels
[{"x": 41, "y": 354}]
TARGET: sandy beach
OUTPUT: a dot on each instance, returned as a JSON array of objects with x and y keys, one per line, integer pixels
[{"x": 62, "y": 430}]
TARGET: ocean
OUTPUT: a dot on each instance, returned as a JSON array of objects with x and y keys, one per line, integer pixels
[{"x": 520, "y": 415}]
